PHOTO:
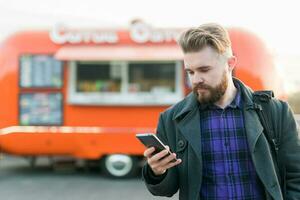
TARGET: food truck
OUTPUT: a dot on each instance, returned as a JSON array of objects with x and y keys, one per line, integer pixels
[{"x": 85, "y": 93}]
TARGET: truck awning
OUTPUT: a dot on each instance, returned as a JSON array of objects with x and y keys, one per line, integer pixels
[{"x": 133, "y": 53}]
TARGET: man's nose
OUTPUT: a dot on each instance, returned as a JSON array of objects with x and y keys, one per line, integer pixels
[{"x": 197, "y": 79}]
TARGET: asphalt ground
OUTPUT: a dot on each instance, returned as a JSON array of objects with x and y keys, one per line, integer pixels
[{"x": 18, "y": 181}]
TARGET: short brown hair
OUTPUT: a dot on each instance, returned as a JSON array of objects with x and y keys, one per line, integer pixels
[{"x": 212, "y": 35}]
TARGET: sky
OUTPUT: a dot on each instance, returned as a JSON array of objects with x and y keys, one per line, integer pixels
[{"x": 274, "y": 21}]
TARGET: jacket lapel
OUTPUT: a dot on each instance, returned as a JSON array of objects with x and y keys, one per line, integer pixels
[
  {"x": 189, "y": 125},
  {"x": 253, "y": 127},
  {"x": 260, "y": 152},
  {"x": 190, "y": 128}
]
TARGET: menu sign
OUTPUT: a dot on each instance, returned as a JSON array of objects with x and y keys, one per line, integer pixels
[
  {"x": 40, "y": 109},
  {"x": 40, "y": 71}
]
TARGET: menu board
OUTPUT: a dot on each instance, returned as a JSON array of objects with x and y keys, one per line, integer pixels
[
  {"x": 40, "y": 109},
  {"x": 40, "y": 71}
]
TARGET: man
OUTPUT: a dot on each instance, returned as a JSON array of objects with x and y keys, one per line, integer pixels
[{"x": 216, "y": 134}]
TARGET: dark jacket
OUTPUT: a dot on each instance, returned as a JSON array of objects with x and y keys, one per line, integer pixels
[{"x": 179, "y": 128}]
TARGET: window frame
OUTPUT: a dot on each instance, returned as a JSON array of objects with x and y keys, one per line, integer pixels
[{"x": 123, "y": 97}]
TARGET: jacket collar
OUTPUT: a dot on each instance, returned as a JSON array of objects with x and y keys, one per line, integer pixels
[{"x": 189, "y": 104}]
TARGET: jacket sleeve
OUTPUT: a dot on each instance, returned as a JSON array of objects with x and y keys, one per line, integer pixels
[
  {"x": 167, "y": 184},
  {"x": 290, "y": 146}
]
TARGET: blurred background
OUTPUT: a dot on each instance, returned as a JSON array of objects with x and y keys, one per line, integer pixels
[{"x": 70, "y": 107}]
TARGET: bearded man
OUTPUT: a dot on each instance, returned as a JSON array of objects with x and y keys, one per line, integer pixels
[{"x": 217, "y": 136}]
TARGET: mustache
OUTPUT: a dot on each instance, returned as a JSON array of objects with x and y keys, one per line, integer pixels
[{"x": 201, "y": 86}]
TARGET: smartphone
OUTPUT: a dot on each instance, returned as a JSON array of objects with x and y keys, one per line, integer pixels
[{"x": 151, "y": 140}]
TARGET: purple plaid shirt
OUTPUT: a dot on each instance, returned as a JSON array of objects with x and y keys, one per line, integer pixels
[{"x": 228, "y": 171}]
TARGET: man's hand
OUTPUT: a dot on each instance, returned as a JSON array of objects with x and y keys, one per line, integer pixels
[{"x": 161, "y": 161}]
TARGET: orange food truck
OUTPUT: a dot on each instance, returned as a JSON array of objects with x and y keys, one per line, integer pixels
[{"x": 86, "y": 93}]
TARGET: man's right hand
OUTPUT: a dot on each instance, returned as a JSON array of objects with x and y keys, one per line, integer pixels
[{"x": 160, "y": 162}]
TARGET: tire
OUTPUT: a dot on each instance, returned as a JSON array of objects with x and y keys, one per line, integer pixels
[{"x": 120, "y": 165}]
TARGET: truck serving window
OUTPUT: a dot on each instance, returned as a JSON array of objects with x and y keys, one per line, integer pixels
[
  {"x": 145, "y": 77},
  {"x": 98, "y": 77},
  {"x": 125, "y": 83}
]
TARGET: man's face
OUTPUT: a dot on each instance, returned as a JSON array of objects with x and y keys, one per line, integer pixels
[{"x": 208, "y": 72}]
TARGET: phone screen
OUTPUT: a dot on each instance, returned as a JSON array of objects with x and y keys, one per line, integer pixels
[{"x": 151, "y": 140}]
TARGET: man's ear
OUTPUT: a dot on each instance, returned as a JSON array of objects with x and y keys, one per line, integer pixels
[{"x": 232, "y": 62}]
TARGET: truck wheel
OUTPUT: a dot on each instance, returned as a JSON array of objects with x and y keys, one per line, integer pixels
[{"x": 120, "y": 165}]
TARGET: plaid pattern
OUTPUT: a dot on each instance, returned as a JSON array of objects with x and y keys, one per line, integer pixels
[{"x": 228, "y": 171}]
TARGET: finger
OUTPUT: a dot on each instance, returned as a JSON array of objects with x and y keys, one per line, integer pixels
[
  {"x": 172, "y": 164},
  {"x": 167, "y": 159},
  {"x": 148, "y": 152},
  {"x": 159, "y": 155},
  {"x": 159, "y": 169},
  {"x": 155, "y": 159}
]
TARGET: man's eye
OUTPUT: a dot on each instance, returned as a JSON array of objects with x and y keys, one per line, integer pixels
[
  {"x": 190, "y": 72},
  {"x": 204, "y": 70}
]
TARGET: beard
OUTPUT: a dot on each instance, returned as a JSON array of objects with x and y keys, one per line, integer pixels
[{"x": 211, "y": 95}]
